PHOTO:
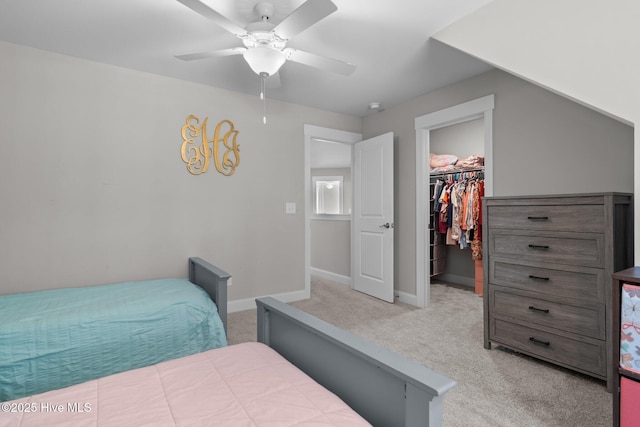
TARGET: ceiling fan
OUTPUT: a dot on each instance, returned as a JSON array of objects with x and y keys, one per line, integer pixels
[{"x": 265, "y": 43}]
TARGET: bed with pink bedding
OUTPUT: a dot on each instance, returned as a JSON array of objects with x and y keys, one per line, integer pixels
[
  {"x": 241, "y": 385},
  {"x": 301, "y": 372}
]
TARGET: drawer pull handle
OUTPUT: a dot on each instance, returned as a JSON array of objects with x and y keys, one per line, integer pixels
[
  {"x": 537, "y": 341},
  {"x": 543, "y": 310},
  {"x": 538, "y": 218},
  {"x": 531, "y": 276},
  {"x": 539, "y": 246}
]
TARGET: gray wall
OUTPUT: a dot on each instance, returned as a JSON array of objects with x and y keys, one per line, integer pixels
[
  {"x": 463, "y": 139},
  {"x": 543, "y": 144},
  {"x": 560, "y": 54},
  {"x": 94, "y": 190},
  {"x": 331, "y": 238},
  {"x": 331, "y": 246}
]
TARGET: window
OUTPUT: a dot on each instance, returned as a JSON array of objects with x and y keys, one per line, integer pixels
[{"x": 328, "y": 195}]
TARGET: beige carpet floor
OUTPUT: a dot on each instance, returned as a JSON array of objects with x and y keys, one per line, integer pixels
[{"x": 494, "y": 387}]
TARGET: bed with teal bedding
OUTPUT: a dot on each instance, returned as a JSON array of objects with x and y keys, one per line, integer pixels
[{"x": 56, "y": 338}]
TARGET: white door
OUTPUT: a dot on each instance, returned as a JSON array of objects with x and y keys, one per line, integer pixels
[{"x": 373, "y": 217}]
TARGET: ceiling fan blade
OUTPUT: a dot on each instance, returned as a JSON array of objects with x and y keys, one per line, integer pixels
[
  {"x": 204, "y": 10},
  {"x": 317, "y": 61},
  {"x": 212, "y": 54},
  {"x": 303, "y": 17}
]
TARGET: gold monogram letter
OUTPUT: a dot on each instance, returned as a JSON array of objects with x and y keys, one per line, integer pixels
[{"x": 197, "y": 157}]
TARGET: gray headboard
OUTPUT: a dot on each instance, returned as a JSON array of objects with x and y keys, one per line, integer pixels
[{"x": 213, "y": 280}]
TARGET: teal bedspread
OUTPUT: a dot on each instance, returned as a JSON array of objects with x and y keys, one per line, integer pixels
[{"x": 53, "y": 339}]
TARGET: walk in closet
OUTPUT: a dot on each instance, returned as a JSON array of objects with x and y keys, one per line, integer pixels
[{"x": 456, "y": 185}]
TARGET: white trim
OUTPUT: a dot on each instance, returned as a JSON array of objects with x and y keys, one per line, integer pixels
[
  {"x": 334, "y": 277},
  {"x": 476, "y": 109},
  {"x": 423, "y": 269},
  {"x": 250, "y": 303},
  {"x": 322, "y": 134},
  {"x": 406, "y": 298},
  {"x": 331, "y": 217},
  {"x": 456, "y": 114},
  {"x": 332, "y": 135}
]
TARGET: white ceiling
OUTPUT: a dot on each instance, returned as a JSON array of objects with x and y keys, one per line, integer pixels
[{"x": 388, "y": 40}]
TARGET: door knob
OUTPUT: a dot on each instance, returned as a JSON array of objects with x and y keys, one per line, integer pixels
[{"x": 387, "y": 225}]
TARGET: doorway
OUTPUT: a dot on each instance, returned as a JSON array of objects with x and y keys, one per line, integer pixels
[
  {"x": 335, "y": 213},
  {"x": 370, "y": 245},
  {"x": 331, "y": 210},
  {"x": 481, "y": 108}
]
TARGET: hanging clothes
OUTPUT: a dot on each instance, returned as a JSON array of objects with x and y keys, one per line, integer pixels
[
  {"x": 457, "y": 205},
  {"x": 476, "y": 246}
]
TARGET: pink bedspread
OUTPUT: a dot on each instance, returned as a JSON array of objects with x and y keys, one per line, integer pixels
[{"x": 241, "y": 385}]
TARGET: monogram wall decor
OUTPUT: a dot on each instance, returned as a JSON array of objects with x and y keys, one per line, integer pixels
[{"x": 197, "y": 149}]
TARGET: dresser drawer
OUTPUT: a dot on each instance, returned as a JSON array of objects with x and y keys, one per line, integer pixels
[
  {"x": 577, "y": 218},
  {"x": 584, "y": 354},
  {"x": 584, "y": 283},
  {"x": 585, "y": 249},
  {"x": 566, "y": 315}
]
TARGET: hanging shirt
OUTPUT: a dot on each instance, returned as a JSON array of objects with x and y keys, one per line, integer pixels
[{"x": 437, "y": 191}]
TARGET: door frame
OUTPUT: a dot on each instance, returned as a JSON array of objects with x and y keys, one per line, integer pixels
[
  {"x": 472, "y": 110},
  {"x": 311, "y": 133}
]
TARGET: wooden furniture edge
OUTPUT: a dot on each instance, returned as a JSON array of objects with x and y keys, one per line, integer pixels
[
  {"x": 214, "y": 281},
  {"x": 628, "y": 275},
  {"x": 383, "y": 387}
]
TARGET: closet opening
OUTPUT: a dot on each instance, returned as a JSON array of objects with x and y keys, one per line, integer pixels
[
  {"x": 456, "y": 185},
  {"x": 453, "y": 146}
]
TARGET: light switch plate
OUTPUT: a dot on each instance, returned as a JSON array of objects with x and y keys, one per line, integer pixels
[{"x": 290, "y": 208}]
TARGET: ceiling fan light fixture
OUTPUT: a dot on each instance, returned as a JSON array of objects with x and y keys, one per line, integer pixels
[{"x": 264, "y": 60}]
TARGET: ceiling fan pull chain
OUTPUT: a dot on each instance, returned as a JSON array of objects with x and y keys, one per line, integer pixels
[{"x": 263, "y": 97}]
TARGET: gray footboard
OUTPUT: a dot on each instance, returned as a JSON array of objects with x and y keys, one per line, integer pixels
[
  {"x": 214, "y": 281},
  {"x": 383, "y": 387}
]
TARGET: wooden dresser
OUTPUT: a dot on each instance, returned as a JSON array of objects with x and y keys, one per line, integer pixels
[{"x": 548, "y": 263}]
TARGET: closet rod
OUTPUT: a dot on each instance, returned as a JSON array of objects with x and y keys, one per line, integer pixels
[{"x": 443, "y": 174}]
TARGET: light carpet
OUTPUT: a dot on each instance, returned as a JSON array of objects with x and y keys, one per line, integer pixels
[{"x": 494, "y": 387}]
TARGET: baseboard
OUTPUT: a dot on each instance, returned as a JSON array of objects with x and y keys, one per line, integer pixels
[
  {"x": 403, "y": 297},
  {"x": 250, "y": 303},
  {"x": 406, "y": 298},
  {"x": 334, "y": 277}
]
